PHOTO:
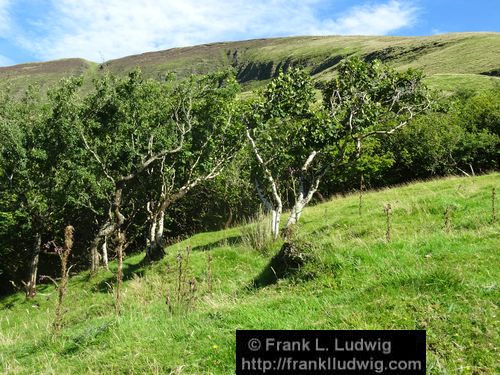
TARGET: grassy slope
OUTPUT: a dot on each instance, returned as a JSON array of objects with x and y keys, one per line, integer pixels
[
  {"x": 45, "y": 74},
  {"x": 258, "y": 60},
  {"x": 446, "y": 283}
]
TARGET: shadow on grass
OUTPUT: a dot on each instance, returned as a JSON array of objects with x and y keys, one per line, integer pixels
[
  {"x": 227, "y": 241},
  {"x": 129, "y": 271},
  {"x": 90, "y": 336},
  {"x": 286, "y": 263},
  {"x": 438, "y": 281}
]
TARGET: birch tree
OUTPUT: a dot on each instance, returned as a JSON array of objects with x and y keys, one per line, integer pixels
[
  {"x": 296, "y": 140},
  {"x": 207, "y": 106},
  {"x": 152, "y": 142},
  {"x": 278, "y": 128}
]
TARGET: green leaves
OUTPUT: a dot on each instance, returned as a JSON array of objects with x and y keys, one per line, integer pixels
[
  {"x": 299, "y": 140},
  {"x": 289, "y": 94}
]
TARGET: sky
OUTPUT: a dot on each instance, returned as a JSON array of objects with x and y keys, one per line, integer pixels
[{"x": 101, "y": 30}]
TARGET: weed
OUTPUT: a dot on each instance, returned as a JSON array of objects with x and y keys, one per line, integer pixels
[
  {"x": 447, "y": 218},
  {"x": 388, "y": 214},
  {"x": 493, "y": 208},
  {"x": 63, "y": 254},
  {"x": 181, "y": 298}
]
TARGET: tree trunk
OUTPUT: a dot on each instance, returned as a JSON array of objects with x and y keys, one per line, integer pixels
[
  {"x": 150, "y": 240},
  {"x": 94, "y": 256},
  {"x": 120, "y": 241},
  {"x": 301, "y": 202},
  {"x": 119, "y": 270},
  {"x": 105, "y": 253},
  {"x": 275, "y": 223},
  {"x": 276, "y": 208},
  {"x": 155, "y": 241},
  {"x": 160, "y": 228},
  {"x": 295, "y": 213},
  {"x": 106, "y": 230},
  {"x": 31, "y": 285},
  {"x": 229, "y": 220},
  {"x": 63, "y": 285}
]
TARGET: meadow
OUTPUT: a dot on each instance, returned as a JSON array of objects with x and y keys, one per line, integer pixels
[{"x": 439, "y": 272}]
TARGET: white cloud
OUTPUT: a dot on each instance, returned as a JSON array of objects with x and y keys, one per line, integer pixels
[
  {"x": 101, "y": 30},
  {"x": 375, "y": 19},
  {"x": 437, "y": 31}
]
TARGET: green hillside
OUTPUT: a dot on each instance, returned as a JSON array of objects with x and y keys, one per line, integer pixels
[
  {"x": 426, "y": 277},
  {"x": 451, "y": 61}
]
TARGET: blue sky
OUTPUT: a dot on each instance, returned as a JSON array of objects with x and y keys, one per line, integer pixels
[{"x": 100, "y": 30}]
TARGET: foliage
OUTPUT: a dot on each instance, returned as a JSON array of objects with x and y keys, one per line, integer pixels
[
  {"x": 462, "y": 132},
  {"x": 297, "y": 142}
]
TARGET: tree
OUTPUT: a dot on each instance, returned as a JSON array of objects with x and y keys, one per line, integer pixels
[
  {"x": 15, "y": 218},
  {"x": 296, "y": 141},
  {"x": 279, "y": 124},
  {"x": 36, "y": 139},
  {"x": 460, "y": 136},
  {"x": 152, "y": 142},
  {"x": 208, "y": 107},
  {"x": 126, "y": 128}
]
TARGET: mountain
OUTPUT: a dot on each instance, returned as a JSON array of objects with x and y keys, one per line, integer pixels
[{"x": 450, "y": 61}]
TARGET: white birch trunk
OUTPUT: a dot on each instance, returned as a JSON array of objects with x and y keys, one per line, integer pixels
[
  {"x": 94, "y": 256},
  {"x": 301, "y": 202},
  {"x": 295, "y": 214},
  {"x": 150, "y": 240},
  {"x": 152, "y": 232},
  {"x": 275, "y": 223},
  {"x": 105, "y": 231},
  {"x": 155, "y": 236},
  {"x": 105, "y": 253},
  {"x": 276, "y": 207},
  {"x": 160, "y": 228}
]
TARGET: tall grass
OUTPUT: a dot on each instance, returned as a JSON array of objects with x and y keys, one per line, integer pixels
[{"x": 256, "y": 233}]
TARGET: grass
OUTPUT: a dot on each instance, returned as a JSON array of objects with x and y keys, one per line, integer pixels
[
  {"x": 425, "y": 278},
  {"x": 449, "y": 83}
]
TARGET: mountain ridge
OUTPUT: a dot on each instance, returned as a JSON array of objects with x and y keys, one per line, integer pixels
[{"x": 257, "y": 60}]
